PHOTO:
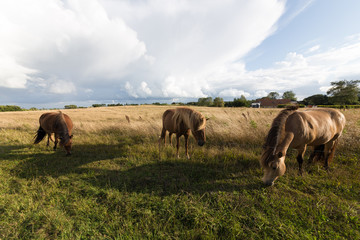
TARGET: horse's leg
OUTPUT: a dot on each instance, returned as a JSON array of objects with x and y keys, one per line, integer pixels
[
  {"x": 300, "y": 158},
  {"x": 48, "y": 140},
  {"x": 186, "y": 135},
  {"x": 329, "y": 152},
  {"x": 162, "y": 136},
  {"x": 56, "y": 141},
  {"x": 317, "y": 154},
  {"x": 177, "y": 144},
  {"x": 170, "y": 139}
]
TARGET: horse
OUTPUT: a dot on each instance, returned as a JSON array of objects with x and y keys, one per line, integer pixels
[
  {"x": 58, "y": 123},
  {"x": 319, "y": 128},
  {"x": 182, "y": 121}
]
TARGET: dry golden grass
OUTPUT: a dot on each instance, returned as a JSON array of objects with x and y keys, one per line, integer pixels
[{"x": 225, "y": 124}]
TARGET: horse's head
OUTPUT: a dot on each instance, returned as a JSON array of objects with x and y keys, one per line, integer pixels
[
  {"x": 274, "y": 167},
  {"x": 66, "y": 142},
  {"x": 198, "y": 129},
  {"x": 200, "y": 136}
]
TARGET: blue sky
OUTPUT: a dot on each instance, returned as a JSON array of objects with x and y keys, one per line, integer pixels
[
  {"x": 59, "y": 52},
  {"x": 324, "y": 23}
]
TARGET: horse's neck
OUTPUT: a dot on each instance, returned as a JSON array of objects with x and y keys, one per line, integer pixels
[
  {"x": 62, "y": 127},
  {"x": 285, "y": 143}
]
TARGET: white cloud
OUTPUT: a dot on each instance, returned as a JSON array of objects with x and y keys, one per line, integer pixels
[
  {"x": 145, "y": 89},
  {"x": 62, "y": 87},
  {"x": 189, "y": 39},
  {"x": 314, "y": 48},
  {"x": 231, "y": 92},
  {"x": 72, "y": 39}
]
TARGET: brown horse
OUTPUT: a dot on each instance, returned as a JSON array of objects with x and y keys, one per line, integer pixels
[
  {"x": 182, "y": 121},
  {"x": 320, "y": 128},
  {"x": 58, "y": 123}
]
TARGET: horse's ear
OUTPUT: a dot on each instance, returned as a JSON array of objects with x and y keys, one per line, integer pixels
[{"x": 280, "y": 154}]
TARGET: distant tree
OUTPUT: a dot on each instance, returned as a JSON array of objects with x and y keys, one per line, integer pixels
[
  {"x": 239, "y": 102},
  {"x": 344, "y": 92},
  {"x": 218, "y": 102},
  {"x": 317, "y": 99},
  {"x": 289, "y": 95},
  {"x": 10, "y": 108},
  {"x": 114, "y": 104},
  {"x": 72, "y": 106},
  {"x": 273, "y": 95},
  {"x": 205, "y": 101},
  {"x": 99, "y": 105}
]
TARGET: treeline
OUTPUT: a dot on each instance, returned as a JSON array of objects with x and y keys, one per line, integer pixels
[
  {"x": 10, "y": 108},
  {"x": 219, "y": 102}
]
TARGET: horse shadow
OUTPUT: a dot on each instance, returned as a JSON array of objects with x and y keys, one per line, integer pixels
[
  {"x": 160, "y": 177},
  {"x": 176, "y": 176}
]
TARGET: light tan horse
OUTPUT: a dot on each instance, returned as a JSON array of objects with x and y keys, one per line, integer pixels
[
  {"x": 58, "y": 123},
  {"x": 182, "y": 121},
  {"x": 320, "y": 128}
]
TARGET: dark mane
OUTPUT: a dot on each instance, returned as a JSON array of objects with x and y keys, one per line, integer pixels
[{"x": 274, "y": 134}]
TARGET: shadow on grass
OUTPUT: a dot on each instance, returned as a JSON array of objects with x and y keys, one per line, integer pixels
[
  {"x": 160, "y": 177},
  {"x": 130, "y": 172},
  {"x": 172, "y": 177}
]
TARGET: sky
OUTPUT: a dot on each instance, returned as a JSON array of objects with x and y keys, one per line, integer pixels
[{"x": 59, "y": 52}]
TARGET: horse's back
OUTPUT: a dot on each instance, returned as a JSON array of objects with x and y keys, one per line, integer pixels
[
  {"x": 315, "y": 126},
  {"x": 48, "y": 121},
  {"x": 168, "y": 121}
]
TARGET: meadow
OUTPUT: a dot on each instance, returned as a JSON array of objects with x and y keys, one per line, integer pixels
[{"x": 115, "y": 186}]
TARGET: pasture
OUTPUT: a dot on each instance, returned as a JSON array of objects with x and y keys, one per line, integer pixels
[{"x": 114, "y": 186}]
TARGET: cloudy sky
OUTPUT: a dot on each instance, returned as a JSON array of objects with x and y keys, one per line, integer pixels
[{"x": 59, "y": 52}]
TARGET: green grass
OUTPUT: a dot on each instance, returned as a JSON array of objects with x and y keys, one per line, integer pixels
[{"x": 114, "y": 186}]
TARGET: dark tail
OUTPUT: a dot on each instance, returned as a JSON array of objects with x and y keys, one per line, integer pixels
[{"x": 39, "y": 135}]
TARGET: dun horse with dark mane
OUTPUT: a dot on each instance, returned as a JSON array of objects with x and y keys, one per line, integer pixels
[
  {"x": 58, "y": 123},
  {"x": 182, "y": 121},
  {"x": 320, "y": 128}
]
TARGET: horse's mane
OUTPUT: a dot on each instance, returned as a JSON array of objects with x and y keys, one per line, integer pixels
[
  {"x": 191, "y": 118},
  {"x": 274, "y": 135}
]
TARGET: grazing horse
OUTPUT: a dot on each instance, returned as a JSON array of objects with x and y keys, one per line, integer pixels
[
  {"x": 320, "y": 128},
  {"x": 182, "y": 121},
  {"x": 58, "y": 123}
]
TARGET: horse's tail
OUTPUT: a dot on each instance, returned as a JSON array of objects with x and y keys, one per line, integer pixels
[
  {"x": 40, "y": 134},
  {"x": 332, "y": 151}
]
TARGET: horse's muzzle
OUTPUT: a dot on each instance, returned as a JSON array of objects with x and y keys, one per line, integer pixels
[
  {"x": 201, "y": 143},
  {"x": 269, "y": 183}
]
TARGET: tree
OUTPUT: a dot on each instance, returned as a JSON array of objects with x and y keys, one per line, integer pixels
[
  {"x": 71, "y": 106},
  {"x": 273, "y": 95},
  {"x": 289, "y": 95},
  {"x": 317, "y": 99},
  {"x": 344, "y": 92},
  {"x": 238, "y": 102},
  {"x": 218, "y": 102},
  {"x": 205, "y": 101}
]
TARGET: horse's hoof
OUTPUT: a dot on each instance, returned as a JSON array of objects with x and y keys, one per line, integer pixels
[{"x": 68, "y": 154}]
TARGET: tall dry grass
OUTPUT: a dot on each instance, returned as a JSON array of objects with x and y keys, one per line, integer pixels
[{"x": 226, "y": 126}]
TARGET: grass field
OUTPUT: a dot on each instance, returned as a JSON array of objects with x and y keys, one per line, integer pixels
[{"x": 114, "y": 186}]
